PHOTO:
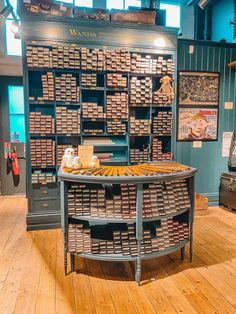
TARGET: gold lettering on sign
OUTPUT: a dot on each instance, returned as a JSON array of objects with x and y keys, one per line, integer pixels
[{"x": 76, "y": 33}]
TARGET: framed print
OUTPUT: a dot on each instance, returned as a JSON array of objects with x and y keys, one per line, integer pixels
[
  {"x": 198, "y": 88},
  {"x": 195, "y": 124}
]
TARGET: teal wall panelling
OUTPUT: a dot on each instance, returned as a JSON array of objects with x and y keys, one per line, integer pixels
[
  {"x": 222, "y": 14},
  {"x": 214, "y": 57}
]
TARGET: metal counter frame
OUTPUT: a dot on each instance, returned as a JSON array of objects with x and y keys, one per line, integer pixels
[{"x": 66, "y": 178}]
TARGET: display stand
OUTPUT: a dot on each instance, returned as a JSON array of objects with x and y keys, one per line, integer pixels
[{"x": 173, "y": 229}]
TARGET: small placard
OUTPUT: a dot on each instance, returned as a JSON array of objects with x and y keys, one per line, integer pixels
[
  {"x": 227, "y": 136},
  {"x": 85, "y": 152},
  {"x": 229, "y": 105},
  {"x": 7, "y": 149},
  {"x": 197, "y": 144},
  {"x": 15, "y": 137},
  {"x": 191, "y": 49},
  {"x": 62, "y": 7}
]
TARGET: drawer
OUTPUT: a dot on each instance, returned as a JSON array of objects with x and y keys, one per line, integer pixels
[
  {"x": 47, "y": 190},
  {"x": 45, "y": 205}
]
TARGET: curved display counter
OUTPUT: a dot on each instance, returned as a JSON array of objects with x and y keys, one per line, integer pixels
[{"x": 127, "y": 213}]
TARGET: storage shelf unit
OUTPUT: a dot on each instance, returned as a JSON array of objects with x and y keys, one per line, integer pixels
[
  {"x": 37, "y": 33},
  {"x": 112, "y": 220},
  {"x": 168, "y": 198}
]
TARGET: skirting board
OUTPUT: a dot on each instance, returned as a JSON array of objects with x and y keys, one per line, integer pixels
[
  {"x": 213, "y": 198},
  {"x": 43, "y": 221}
]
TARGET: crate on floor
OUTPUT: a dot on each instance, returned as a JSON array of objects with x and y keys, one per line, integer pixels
[{"x": 201, "y": 205}]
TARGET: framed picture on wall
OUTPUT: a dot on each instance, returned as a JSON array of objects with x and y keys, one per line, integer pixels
[
  {"x": 198, "y": 88},
  {"x": 197, "y": 124}
]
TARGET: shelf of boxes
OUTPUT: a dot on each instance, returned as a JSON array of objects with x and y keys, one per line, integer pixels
[
  {"x": 103, "y": 222},
  {"x": 81, "y": 95}
]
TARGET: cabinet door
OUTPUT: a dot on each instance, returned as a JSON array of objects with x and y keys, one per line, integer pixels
[{"x": 12, "y": 129}]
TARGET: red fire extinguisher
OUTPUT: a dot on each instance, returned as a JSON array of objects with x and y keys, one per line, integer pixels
[{"x": 14, "y": 163}]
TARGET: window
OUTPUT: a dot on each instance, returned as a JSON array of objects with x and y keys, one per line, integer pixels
[
  {"x": 79, "y": 3},
  {"x": 14, "y": 5},
  {"x": 16, "y": 112},
  {"x": 172, "y": 14},
  {"x": 84, "y": 3},
  {"x": 66, "y": 1},
  {"x": 122, "y": 4},
  {"x": 132, "y": 3},
  {"x": 115, "y": 4},
  {"x": 13, "y": 46}
]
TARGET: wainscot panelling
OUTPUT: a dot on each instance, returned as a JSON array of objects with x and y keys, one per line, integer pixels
[{"x": 210, "y": 56}]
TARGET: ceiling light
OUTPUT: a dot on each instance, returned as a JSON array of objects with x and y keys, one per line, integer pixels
[
  {"x": 6, "y": 11},
  {"x": 203, "y": 3},
  {"x": 15, "y": 27},
  {"x": 160, "y": 42}
]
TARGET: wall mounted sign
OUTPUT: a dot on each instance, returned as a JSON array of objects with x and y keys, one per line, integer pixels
[
  {"x": 229, "y": 105},
  {"x": 7, "y": 149},
  {"x": 198, "y": 101},
  {"x": 227, "y": 136},
  {"x": 198, "y": 88},
  {"x": 15, "y": 137},
  {"x": 197, "y": 144},
  {"x": 92, "y": 33},
  {"x": 197, "y": 124}
]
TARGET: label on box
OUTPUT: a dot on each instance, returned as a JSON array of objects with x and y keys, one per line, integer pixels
[{"x": 197, "y": 144}]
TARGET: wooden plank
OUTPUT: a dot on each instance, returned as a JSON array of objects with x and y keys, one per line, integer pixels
[
  {"x": 202, "y": 284},
  {"x": 4, "y": 209},
  {"x": 168, "y": 284},
  {"x": 214, "y": 269},
  {"x": 9, "y": 223},
  {"x": 11, "y": 238},
  {"x": 152, "y": 285},
  {"x": 224, "y": 230},
  {"x": 113, "y": 272},
  {"x": 222, "y": 247},
  {"x": 177, "y": 299},
  {"x": 84, "y": 301},
  {"x": 65, "y": 301},
  {"x": 100, "y": 289},
  {"x": 138, "y": 294},
  {"x": 46, "y": 290},
  {"x": 27, "y": 296},
  {"x": 20, "y": 248},
  {"x": 197, "y": 299}
]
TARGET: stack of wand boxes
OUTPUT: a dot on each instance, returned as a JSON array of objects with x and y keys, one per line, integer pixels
[
  {"x": 119, "y": 87},
  {"x": 108, "y": 98},
  {"x": 160, "y": 199}
]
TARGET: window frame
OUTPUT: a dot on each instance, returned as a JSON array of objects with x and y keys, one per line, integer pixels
[
  {"x": 124, "y": 5},
  {"x": 116, "y": 9},
  {"x": 15, "y": 114},
  {"x": 10, "y": 18},
  {"x": 181, "y": 12},
  {"x": 5, "y": 40},
  {"x": 75, "y": 5}
]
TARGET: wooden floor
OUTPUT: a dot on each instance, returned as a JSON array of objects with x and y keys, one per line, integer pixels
[{"x": 32, "y": 278}]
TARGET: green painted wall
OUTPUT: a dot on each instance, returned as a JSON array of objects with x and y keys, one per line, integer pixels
[{"x": 208, "y": 159}]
